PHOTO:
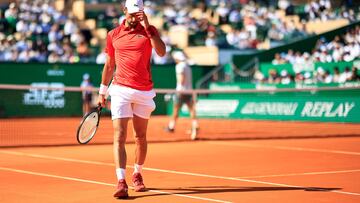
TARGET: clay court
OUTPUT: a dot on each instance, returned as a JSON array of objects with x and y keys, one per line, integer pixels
[{"x": 233, "y": 161}]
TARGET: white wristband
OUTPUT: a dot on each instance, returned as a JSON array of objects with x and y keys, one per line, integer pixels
[{"x": 103, "y": 89}]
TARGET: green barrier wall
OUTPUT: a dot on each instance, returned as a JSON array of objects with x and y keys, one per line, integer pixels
[
  {"x": 265, "y": 67},
  {"x": 260, "y": 86},
  {"x": 20, "y": 103},
  {"x": 324, "y": 106}
]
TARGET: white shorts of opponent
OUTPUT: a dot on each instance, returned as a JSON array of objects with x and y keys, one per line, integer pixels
[{"x": 126, "y": 102}]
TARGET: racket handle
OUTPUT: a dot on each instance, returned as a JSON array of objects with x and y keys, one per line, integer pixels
[{"x": 99, "y": 107}]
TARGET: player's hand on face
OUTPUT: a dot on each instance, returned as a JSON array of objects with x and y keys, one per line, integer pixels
[{"x": 141, "y": 16}]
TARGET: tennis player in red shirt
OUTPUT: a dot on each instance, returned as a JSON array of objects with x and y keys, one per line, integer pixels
[{"x": 128, "y": 49}]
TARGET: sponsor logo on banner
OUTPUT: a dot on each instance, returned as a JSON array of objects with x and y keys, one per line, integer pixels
[
  {"x": 215, "y": 86},
  {"x": 55, "y": 71},
  {"x": 327, "y": 109},
  {"x": 214, "y": 107},
  {"x": 43, "y": 97},
  {"x": 270, "y": 108},
  {"x": 301, "y": 67}
]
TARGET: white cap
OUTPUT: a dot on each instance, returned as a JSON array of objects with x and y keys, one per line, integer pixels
[
  {"x": 134, "y": 6},
  {"x": 320, "y": 70},
  {"x": 283, "y": 73},
  {"x": 86, "y": 76},
  {"x": 179, "y": 55}
]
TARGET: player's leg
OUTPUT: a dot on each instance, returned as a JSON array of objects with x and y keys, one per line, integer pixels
[
  {"x": 121, "y": 112},
  {"x": 142, "y": 111},
  {"x": 140, "y": 127},
  {"x": 84, "y": 107},
  {"x": 120, "y": 158},
  {"x": 176, "y": 108},
  {"x": 194, "y": 123},
  {"x": 120, "y": 134}
]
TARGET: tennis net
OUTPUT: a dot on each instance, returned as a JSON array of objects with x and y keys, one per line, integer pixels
[{"x": 47, "y": 115}]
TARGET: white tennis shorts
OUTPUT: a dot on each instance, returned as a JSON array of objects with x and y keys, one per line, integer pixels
[{"x": 126, "y": 101}]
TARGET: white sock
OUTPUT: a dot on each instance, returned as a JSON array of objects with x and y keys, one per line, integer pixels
[
  {"x": 137, "y": 168},
  {"x": 120, "y": 173},
  {"x": 172, "y": 124},
  {"x": 194, "y": 124}
]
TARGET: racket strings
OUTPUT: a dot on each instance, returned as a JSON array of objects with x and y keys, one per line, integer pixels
[{"x": 89, "y": 127}]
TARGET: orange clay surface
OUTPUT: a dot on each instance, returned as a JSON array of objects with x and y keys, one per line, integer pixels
[{"x": 233, "y": 161}]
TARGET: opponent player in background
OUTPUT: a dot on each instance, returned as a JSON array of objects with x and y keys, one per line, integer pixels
[
  {"x": 129, "y": 48},
  {"x": 183, "y": 82}
]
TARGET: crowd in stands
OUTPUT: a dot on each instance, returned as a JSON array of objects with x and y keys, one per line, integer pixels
[
  {"x": 248, "y": 23},
  {"x": 320, "y": 75},
  {"x": 342, "y": 48},
  {"x": 36, "y": 31}
]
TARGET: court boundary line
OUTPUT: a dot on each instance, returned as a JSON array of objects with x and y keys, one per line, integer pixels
[
  {"x": 104, "y": 183},
  {"x": 167, "y": 171},
  {"x": 284, "y": 148},
  {"x": 305, "y": 173}
]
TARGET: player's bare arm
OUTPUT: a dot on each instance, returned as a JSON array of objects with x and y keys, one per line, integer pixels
[
  {"x": 107, "y": 74},
  {"x": 156, "y": 41}
]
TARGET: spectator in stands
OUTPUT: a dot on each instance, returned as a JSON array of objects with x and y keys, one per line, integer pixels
[
  {"x": 328, "y": 78},
  {"x": 11, "y": 15},
  {"x": 101, "y": 57},
  {"x": 4, "y": 25},
  {"x": 355, "y": 76},
  {"x": 86, "y": 93},
  {"x": 299, "y": 78},
  {"x": 235, "y": 18},
  {"x": 83, "y": 51},
  {"x": 259, "y": 76},
  {"x": 336, "y": 77},
  {"x": 290, "y": 57},
  {"x": 319, "y": 75},
  {"x": 53, "y": 58},
  {"x": 278, "y": 59},
  {"x": 76, "y": 38},
  {"x": 273, "y": 77},
  {"x": 55, "y": 33},
  {"x": 70, "y": 27},
  {"x": 111, "y": 12},
  {"x": 183, "y": 82},
  {"x": 285, "y": 78},
  {"x": 211, "y": 39},
  {"x": 223, "y": 11},
  {"x": 346, "y": 75},
  {"x": 233, "y": 38}
]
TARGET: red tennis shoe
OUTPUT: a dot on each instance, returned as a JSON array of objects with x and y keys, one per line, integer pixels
[
  {"x": 138, "y": 183},
  {"x": 121, "y": 189}
]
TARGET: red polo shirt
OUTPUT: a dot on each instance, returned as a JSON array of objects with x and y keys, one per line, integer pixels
[{"x": 132, "y": 51}]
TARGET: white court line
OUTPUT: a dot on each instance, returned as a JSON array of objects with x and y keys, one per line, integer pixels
[
  {"x": 103, "y": 183},
  {"x": 284, "y": 148},
  {"x": 307, "y": 173},
  {"x": 165, "y": 171}
]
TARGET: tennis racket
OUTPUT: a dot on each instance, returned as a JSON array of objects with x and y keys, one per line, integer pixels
[{"x": 88, "y": 126}]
